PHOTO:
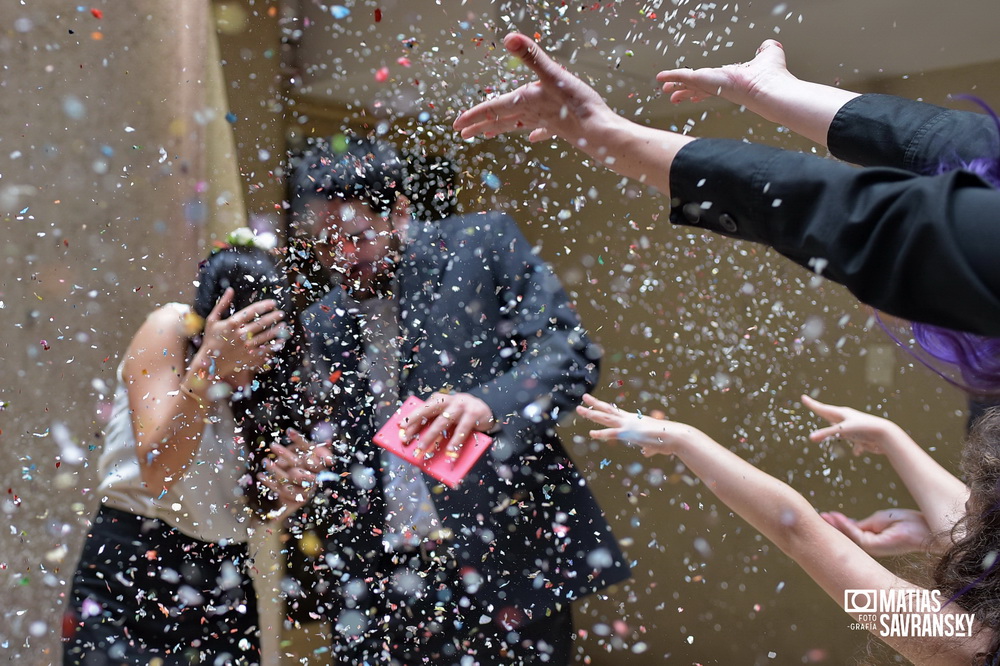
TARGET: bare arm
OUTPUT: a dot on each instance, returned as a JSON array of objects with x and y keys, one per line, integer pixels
[
  {"x": 167, "y": 423},
  {"x": 940, "y": 496},
  {"x": 169, "y": 398},
  {"x": 782, "y": 515}
]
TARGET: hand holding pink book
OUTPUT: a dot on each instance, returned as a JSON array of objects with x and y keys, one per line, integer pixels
[{"x": 447, "y": 469}]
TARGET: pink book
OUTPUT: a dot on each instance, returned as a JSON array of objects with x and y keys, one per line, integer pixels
[{"x": 448, "y": 471}]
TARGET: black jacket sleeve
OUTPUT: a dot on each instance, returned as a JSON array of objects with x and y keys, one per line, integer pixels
[
  {"x": 915, "y": 246},
  {"x": 882, "y": 130}
]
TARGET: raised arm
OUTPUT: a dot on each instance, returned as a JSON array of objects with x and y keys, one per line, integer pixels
[
  {"x": 940, "y": 496},
  {"x": 782, "y": 515},
  {"x": 170, "y": 398}
]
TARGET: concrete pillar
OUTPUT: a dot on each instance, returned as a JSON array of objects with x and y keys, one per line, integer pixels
[{"x": 104, "y": 206}]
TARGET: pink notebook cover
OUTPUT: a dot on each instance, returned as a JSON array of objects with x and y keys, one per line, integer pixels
[{"x": 449, "y": 472}]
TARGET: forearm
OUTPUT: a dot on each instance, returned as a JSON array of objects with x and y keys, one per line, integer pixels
[
  {"x": 873, "y": 230},
  {"x": 168, "y": 439},
  {"x": 771, "y": 506},
  {"x": 635, "y": 151},
  {"x": 938, "y": 493},
  {"x": 806, "y": 108}
]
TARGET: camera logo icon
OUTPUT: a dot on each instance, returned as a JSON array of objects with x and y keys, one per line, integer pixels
[{"x": 861, "y": 601}]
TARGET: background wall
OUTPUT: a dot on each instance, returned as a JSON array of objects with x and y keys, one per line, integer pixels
[{"x": 114, "y": 176}]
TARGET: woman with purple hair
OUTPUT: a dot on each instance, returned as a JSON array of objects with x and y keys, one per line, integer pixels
[{"x": 901, "y": 235}]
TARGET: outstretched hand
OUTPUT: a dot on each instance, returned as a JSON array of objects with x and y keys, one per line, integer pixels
[
  {"x": 867, "y": 433},
  {"x": 885, "y": 533},
  {"x": 556, "y": 104},
  {"x": 651, "y": 435},
  {"x": 741, "y": 83}
]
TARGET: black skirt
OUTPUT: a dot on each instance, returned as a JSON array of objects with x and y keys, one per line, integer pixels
[{"x": 144, "y": 592}]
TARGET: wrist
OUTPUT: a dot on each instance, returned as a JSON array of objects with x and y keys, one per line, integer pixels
[
  {"x": 893, "y": 438},
  {"x": 197, "y": 383},
  {"x": 196, "y": 390},
  {"x": 688, "y": 439}
]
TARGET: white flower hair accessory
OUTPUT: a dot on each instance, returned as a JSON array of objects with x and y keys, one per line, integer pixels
[{"x": 247, "y": 237}]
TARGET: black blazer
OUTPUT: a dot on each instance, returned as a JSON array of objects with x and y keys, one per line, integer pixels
[
  {"x": 923, "y": 247},
  {"x": 479, "y": 313}
]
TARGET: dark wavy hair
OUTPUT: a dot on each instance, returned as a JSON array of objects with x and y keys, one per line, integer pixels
[
  {"x": 967, "y": 574},
  {"x": 265, "y": 409},
  {"x": 976, "y": 357},
  {"x": 368, "y": 170}
]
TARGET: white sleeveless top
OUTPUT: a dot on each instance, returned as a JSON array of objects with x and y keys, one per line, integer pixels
[{"x": 206, "y": 503}]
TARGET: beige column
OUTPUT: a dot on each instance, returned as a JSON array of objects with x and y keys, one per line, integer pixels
[{"x": 105, "y": 198}]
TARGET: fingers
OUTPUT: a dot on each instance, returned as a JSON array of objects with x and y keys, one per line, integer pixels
[
  {"x": 772, "y": 50},
  {"x": 313, "y": 456},
  {"x": 594, "y": 403},
  {"x": 421, "y": 416},
  {"x": 259, "y": 324},
  {"x": 221, "y": 306},
  {"x": 290, "y": 466},
  {"x": 431, "y": 437},
  {"x": 298, "y": 440},
  {"x": 541, "y": 134},
  {"x": 496, "y": 116},
  {"x": 463, "y": 428},
  {"x": 431, "y": 420},
  {"x": 878, "y": 521},
  {"x": 509, "y": 112},
  {"x": 291, "y": 483},
  {"x": 767, "y": 43},
  {"x": 677, "y": 96},
  {"x": 445, "y": 422},
  {"x": 609, "y": 434},
  {"x": 846, "y": 525},
  {"x": 257, "y": 318},
  {"x": 599, "y": 416},
  {"x": 826, "y": 433},
  {"x": 831, "y": 413}
]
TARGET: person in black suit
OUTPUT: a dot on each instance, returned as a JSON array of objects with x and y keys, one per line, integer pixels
[
  {"x": 913, "y": 234},
  {"x": 463, "y": 314}
]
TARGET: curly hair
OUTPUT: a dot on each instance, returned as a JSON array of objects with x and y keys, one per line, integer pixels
[{"x": 967, "y": 573}]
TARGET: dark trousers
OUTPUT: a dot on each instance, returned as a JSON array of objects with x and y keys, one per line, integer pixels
[
  {"x": 416, "y": 611},
  {"x": 144, "y": 593}
]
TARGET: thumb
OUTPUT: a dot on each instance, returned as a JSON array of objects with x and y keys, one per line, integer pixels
[
  {"x": 532, "y": 55},
  {"x": 877, "y": 522},
  {"x": 826, "y": 433}
]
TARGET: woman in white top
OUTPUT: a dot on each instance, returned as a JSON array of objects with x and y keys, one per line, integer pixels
[{"x": 201, "y": 402}]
